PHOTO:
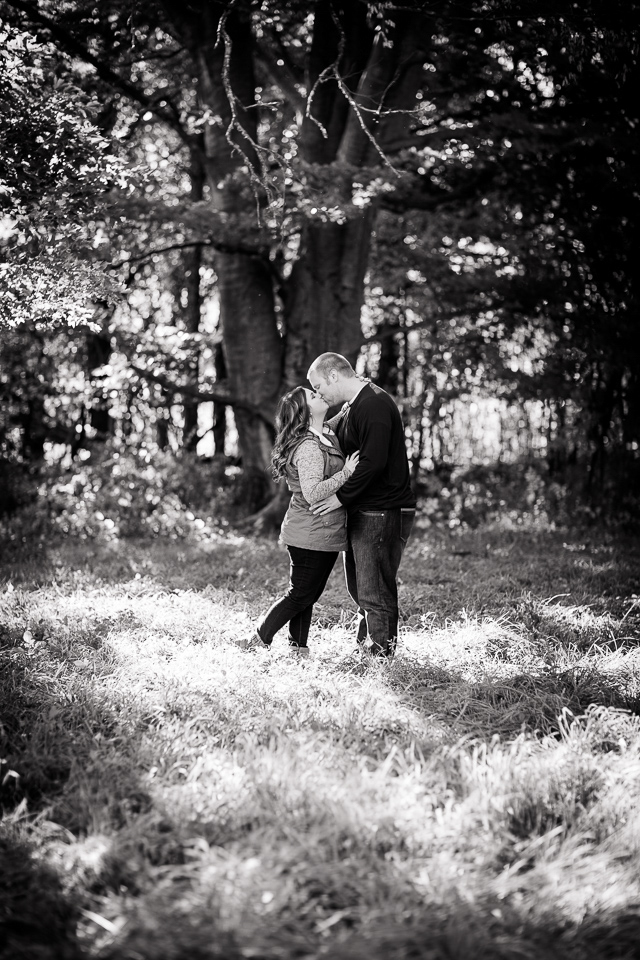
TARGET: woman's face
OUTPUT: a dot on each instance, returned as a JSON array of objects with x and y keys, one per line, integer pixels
[{"x": 316, "y": 404}]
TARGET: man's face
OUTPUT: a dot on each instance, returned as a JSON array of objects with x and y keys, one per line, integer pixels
[{"x": 327, "y": 388}]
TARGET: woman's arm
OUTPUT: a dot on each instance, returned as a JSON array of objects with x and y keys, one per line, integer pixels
[{"x": 310, "y": 464}]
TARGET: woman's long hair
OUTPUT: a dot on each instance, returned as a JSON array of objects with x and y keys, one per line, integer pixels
[{"x": 292, "y": 422}]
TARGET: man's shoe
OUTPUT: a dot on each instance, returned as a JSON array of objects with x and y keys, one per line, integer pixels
[
  {"x": 298, "y": 652},
  {"x": 255, "y": 642},
  {"x": 375, "y": 652}
]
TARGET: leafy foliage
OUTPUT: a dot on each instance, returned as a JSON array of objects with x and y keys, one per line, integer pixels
[
  {"x": 489, "y": 155},
  {"x": 54, "y": 173},
  {"x": 113, "y": 496},
  {"x": 521, "y": 287}
]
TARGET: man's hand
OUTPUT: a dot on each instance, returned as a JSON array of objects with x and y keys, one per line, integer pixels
[{"x": 326, "y": 505}]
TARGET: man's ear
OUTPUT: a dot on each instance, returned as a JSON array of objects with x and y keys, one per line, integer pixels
[{"x": 333, "y": 375}]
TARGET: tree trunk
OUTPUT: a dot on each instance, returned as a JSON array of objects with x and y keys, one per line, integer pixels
[
  {"x": 389, "y": 364},
  {"x": 324, "y": 294},
  {"x": 192, "y": 264},
  {"x": 98, "y": 352},
  {"x": 253, "y": 358},
  {"x": 163, "y": 414},
  {"x": 34, "y": 433},
  {"x": 219, "y": 409}
]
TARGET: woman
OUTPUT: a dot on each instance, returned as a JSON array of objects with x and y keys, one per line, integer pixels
[{"x": 306, "y": 453}]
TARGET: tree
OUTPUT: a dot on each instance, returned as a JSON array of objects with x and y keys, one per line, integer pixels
[
  {"x": 525, "y": 289},
  {"x": 352, "y": 78},
  {"x": 54, "y": 169},
  {"x": 309, "y": 120}
]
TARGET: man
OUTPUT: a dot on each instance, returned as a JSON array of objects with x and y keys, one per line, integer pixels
[{"x": 378, "y": 497}]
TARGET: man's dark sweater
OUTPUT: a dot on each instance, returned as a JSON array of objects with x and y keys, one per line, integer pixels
[{"x": 373, "y": 426}]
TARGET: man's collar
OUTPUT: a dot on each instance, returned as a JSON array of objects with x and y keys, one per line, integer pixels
[{"x": 360, "y": 389}]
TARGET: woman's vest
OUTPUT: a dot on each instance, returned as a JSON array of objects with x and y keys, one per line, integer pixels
[{"x": 300, "y": 527}]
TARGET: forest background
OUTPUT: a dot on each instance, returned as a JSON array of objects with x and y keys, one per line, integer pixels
[{"x": 196, "y": 198}]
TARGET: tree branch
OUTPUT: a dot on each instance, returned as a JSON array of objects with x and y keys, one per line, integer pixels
[
  {"x": 220, "y": 247},
  {"x": 404, "y": 200},
  {"x": 282, "y": 79},
  {"x": 215, "y": 396},
  {"x": 74, "y": 47},
  {"x": 260, "y": 154}
]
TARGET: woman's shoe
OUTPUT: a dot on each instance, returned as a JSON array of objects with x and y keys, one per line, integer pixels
[
  {"x": 254, "y": 642},
  {"x": 298, "y": 651}
]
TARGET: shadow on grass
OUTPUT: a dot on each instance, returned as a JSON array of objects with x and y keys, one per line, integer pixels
[
  {"x": 50, "y": 769},
  {"x": 493, "y": 930},
  {"x": 46, "y": 737},
  {"x": 37, "y": 918},
  {"x": 72, "y": 761},
  {"x": 82, "y": 830},
  {"x": 487, "y": 571},
  {"x": 523, "y": 702}
]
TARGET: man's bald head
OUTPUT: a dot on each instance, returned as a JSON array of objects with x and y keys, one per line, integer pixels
[{"x": 332, "y": 376}]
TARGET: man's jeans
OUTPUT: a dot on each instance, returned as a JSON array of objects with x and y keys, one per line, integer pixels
[
  {"x": 377, "y": 539},
  {"x": 308, "y": 577}
]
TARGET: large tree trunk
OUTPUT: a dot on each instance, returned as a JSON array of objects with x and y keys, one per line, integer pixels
[
  {"x": 253, "y": 358},
  {"x": 324, "y": 293},
  {"x": 222, "y": 49}
]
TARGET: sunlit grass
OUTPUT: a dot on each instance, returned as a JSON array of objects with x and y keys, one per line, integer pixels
[{"x": 176, "y": 797}]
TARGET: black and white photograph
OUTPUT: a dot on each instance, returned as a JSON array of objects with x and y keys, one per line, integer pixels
[{"x": 319, "y": 480}]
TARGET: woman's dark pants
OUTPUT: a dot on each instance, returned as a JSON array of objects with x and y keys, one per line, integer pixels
[{"x": 308, "y": 577}]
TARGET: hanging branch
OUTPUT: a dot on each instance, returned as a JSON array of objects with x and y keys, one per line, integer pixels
[
  {"x": 332, "y": 71},
  {"x": 220, "y": 247},
  {"x": 357, "y": 108},
  {"x": 234, "y": 123},
  {"x": 328, "y": 71},
  {"x": 203, "y": 396}
]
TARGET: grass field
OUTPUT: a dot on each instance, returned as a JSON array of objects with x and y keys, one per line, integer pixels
[{"x": 168, "y": 797}]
